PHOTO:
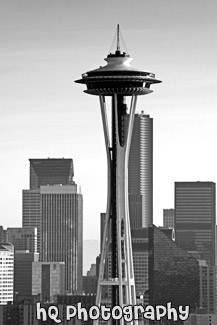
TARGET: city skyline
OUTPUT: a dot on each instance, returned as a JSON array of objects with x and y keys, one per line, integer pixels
[{"x": 45, "y": 46}]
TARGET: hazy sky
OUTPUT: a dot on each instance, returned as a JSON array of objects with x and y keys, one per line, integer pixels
[{"x": 47, "y": 44}]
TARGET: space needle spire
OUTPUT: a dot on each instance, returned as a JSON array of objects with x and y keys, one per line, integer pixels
[
  {"x": 118, "y": 37},
  {"x": 119, "y": 81}
]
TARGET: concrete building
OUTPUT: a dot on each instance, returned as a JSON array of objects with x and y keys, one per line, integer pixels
[
  {"x": 6, "y": 273},
  {"x": 48, "y": 280},
  {"x": 23, "y": 238},
  {"x": 195, "y": 218}
]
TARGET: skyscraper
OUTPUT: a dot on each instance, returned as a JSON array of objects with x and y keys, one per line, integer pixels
[
  {"x": 54, "y": 206},
  {"x": 195, "y": 218},
  {"x": 61, "y": 231},
  {"x": 140, "y": 172},
  {"x": 43, "y": 172}
]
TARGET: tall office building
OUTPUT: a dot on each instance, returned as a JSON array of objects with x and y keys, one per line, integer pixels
[
  {"x": 6, "y": 273},
  {"x": 61, "y": 231},
  {"x": 43, "y": 172},
  {"x": 54, "y": 206},
  {"x": 140, "y": 172},
  {"x": 195, "y": 218}
]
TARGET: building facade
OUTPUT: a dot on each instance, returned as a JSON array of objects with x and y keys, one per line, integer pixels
[
  {"x": 140, "y": 260},
  {"x": 23, "y": 238},
  {"x": 50, "y": 171},
  {"x": 43, "y": 172},
  {"x": 61, "y": 231},
  {"x": 168, "y": 218},
  {"x": 48, "y": 280},
  {"x": 140, "y": 173},
  {"x": 207, "y": 287},
  {"x": 23, "y": 273},
  {"x": 6, "y": 273},
  {"x": 201, "y": 319},
  {"x": 195, "y": 218},
  {"x": 173, "y": 273},
  {"x": 54, "y": 206},
  {"x": 31, "y": 212},
  {"x": 3, "y": 235}
]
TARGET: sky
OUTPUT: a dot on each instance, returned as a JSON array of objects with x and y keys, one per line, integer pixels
[{"x": 47, "y": 44}]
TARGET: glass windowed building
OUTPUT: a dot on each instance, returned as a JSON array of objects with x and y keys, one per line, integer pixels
[
  {"x": 173, "y": 273},
  {"x": 195, "y": 218}
]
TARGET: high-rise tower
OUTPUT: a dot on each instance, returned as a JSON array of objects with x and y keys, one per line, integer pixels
[
  {"x": 50, "y": 171},
  {"x": 62, "y": 231},
  {"x": 54, "y": 206},
  {"x": 140, "y": 173},
  {"x": 118, "y": 80}
]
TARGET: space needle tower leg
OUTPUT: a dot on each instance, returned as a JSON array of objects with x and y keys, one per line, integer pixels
[{"x": 117, "y": 214}]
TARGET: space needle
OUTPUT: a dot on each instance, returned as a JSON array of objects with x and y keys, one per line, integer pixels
[{"x": 118, "y": 80}]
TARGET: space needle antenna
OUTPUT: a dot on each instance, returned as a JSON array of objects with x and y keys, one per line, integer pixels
[{"x": 118, "y": 37}]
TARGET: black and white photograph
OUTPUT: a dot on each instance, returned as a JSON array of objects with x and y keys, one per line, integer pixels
[{"x": 108, "y": 162}]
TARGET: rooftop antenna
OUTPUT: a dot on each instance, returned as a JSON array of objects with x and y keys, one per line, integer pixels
[
  {"x": 118, "y": 43},
  {"x": 118, "y": 38}
]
